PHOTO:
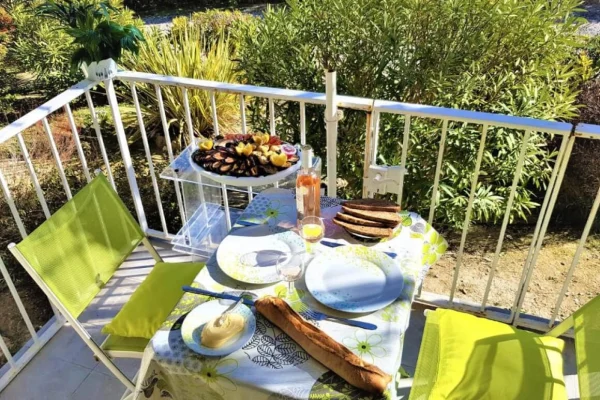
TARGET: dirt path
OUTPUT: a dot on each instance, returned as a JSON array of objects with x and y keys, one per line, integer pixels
[{"x": 547, "y": 280}]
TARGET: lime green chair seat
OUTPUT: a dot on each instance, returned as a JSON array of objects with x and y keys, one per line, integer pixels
[
  {"x": 466, "y": 357},
  {"x": 115, "y": 344}
]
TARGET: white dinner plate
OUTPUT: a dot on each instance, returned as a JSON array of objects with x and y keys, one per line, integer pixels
[
  {"x": 191, "y": 329},
  {"x": 354, "y": 279},
  {"x": 250, "y": 254}
]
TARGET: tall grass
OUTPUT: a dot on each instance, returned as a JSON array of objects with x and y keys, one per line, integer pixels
[{"x": 184, "y": 53}]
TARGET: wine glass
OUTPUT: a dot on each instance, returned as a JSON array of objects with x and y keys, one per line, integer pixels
[
  {"x": 312, "y": 230},
  {"x": 290, "y": 267}
]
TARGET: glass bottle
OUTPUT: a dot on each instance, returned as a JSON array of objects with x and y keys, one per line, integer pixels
[{"x": 308, "y": 184}]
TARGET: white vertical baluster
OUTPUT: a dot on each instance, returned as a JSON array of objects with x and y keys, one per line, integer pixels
[
  {"x": 367, "y": 157},
  {"x": 213, "y": 107},
  {"x": 165, "y": 125},
  {"x": 332, "y": 126},
  {"x": 190, "y": 127},
  {"x": 244, "y": 131},
  {"x": 226, "y": 204},
  {"x": 17, "y": 298},
  {"x": 561, "y": 173},
  {"x": 6, "y": 353},
  {"x": 223, "y": 186},
  {"x": 11, "y": 204},
  {"x": 243, "y": 113},
  {"x": 538, "y": 224},
  {"x": 90, "y": 103},
  {"x": 302, "y": 123},
  {"x": 438, "y": 171},
  {"x": 144, "y": 136},
  {"x": 80, "y": 152},
  {"x": 124, "y": 147},
  {"x": 509, "y": 203},
  {"x": 469, "y": 209},
  {"x": 371, "y": 149},
  {"x": 56, "y": 155},
  {"x": 376, "y": 117},
  {"x": 580, "y": 247},
  {"x": 405, "y": 144},
  {"x": 271, "y": 117},
  {"x": 34, "y": 178},
  {"x": 188, "y": 115}
]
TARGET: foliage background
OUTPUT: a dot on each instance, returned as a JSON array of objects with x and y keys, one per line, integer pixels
[{"x": 463, "y": 54}]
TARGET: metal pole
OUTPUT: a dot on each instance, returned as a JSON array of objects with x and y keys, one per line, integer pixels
[{"x": 332, "y": 126}]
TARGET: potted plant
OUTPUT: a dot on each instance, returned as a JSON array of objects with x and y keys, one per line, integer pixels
[{"x": 99, "y": 39}]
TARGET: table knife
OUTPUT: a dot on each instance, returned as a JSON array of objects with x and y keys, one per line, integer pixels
[{"x": 310, "y": 313}]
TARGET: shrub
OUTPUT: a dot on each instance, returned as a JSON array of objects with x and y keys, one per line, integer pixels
[
  {"x": 183, "y": 53},
  {"x": 593, "y": 50},
  {"x": 216, "y": 24},
  {"x": 42, "y": 48},
  {"x": 6, "y": 21},
  {"x": 96, "y": 35},
  {"x": 470, "y": 54},
  {"x": 582, "y": 177}
]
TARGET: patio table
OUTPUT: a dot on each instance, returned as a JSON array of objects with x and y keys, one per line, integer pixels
[{"x": 271, "y": 365}]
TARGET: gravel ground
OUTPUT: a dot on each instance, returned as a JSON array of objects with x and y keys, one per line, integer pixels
[{"x": 592, "y": 14}]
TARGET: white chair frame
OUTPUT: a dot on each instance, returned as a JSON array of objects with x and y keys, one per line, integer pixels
[{"x": 99, "y": 353}]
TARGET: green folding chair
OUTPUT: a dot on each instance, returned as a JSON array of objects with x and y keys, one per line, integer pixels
[
  {"x": 73, "y": 254},
  {"x": 466, "y": 357}
]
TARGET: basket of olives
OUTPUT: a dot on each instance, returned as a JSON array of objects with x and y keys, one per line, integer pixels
[{"x": 245, "y": 160}]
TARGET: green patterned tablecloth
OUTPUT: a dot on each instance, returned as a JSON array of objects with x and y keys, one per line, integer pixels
[{"x": 272, "y": 366}]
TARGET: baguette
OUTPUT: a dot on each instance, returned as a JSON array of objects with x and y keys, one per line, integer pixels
[
  {"x": 359, "y": 221},
  {"x": 372, "y": 205},
  {"x": 322, "y": 347},
  {"x": 364, "y": 230},
  {"x": 388, "y": 217}
]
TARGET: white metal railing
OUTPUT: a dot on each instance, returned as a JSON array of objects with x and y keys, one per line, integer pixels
[{"x": 372, "y": 182}]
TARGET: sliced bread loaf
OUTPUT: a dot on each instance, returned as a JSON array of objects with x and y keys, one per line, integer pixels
[
  {"x": 364, "y": 230},
  {"x": 372, "y": 205},
  {"x": 359, "y": 221},
  {"x": 387, "y": 217}
]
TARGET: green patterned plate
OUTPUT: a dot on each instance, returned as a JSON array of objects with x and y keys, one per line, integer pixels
[
  {"x": 250, "y": 254},
  {"x": 354, "y": 279}
]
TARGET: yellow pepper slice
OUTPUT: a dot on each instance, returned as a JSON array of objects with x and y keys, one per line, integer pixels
[
  {"x": 206, "y": 145},
  {"x": 278, "y": 160}
]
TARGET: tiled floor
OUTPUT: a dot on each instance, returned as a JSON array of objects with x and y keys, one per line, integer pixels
[{"x": 65, "y": 368}]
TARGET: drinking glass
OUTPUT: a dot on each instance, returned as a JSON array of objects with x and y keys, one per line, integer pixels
[
  {"x": 290, "y": 267},
  {"x": 312, "y": 230}
]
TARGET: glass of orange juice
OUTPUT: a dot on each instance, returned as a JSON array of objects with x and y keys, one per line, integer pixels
[{"x": 312, "y": 230}]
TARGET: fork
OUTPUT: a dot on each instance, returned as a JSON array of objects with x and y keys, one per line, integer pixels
[{"x": 319, "y": 316}]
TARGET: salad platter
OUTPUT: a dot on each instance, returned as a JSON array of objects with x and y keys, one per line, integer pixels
[{"x": 245, "y": 160}]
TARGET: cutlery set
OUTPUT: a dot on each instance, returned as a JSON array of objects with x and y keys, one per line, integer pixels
[{"x": 307, "y": 313}]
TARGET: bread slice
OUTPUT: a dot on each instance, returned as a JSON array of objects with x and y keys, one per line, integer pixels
[
  {"x": 372, "y": 205},
  {"x": 387, "y": 217},
  {"x": 364, "y": 230},
  {"x": 359, "y": 221}
]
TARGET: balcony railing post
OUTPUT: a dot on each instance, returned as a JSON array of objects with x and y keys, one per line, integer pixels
[
  {"x": 545, "y": 217},
  {"x": 124, "y": 147},
  {"x": 332, "y": 126}
]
